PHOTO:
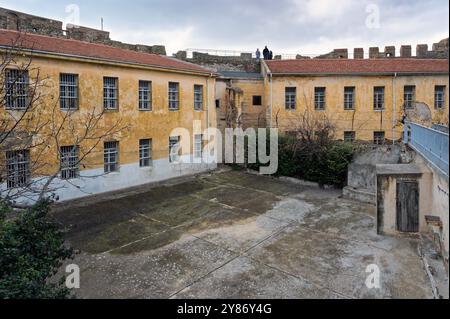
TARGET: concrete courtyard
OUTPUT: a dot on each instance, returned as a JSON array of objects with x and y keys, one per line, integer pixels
[{"x": 230, "y": 234}]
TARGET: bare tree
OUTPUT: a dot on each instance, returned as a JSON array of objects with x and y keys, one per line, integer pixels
[{"x": 41, "y": 144}]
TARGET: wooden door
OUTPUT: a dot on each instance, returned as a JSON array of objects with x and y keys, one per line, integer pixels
[{"x": 408, "y": 206}]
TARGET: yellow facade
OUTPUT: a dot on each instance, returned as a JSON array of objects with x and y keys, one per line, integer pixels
[
  {"x": 364, "y": 120},
  {"x": 156, "y": 124}
]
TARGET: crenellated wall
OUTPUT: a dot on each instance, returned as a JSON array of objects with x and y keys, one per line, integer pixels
[
  {"x": 438, "y": 51},
  {"x": 19, "y": 21}
]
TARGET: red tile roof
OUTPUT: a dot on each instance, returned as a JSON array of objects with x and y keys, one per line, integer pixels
[
  {"x": 92, "y": 51},
  {"x": 362, "y": 66}
]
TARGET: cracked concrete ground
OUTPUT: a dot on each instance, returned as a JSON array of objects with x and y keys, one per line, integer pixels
[{"x": 235, "y": 235}]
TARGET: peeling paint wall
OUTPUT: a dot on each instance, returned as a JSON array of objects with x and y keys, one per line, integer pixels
[
  {"x": 156, "y": 124},
  {"x": 364, "y": 120}
]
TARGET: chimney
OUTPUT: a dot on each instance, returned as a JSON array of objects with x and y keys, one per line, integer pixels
[
  {"x": 405, "y": 51},
  {"x": 358, "y": 53},
  {"x": 389, "y": 52},
  {"x": 374, "y": 52},
  {"x": 422, "y": 50}
]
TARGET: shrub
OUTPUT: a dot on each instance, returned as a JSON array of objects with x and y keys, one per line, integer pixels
[{"x": 31, "y": 252}]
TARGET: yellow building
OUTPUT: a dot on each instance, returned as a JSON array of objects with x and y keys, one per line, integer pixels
[
  {"x": 149, "y": 95},
  {"x": 365, "y": 99}
]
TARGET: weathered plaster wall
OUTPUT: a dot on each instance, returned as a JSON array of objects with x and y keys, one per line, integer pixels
[
  {"x": 364, "y": 120},
  {"x": 156, "y": 125}
]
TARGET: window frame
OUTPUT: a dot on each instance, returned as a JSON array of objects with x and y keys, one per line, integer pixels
[
  {"x": 352, "y": 139},
  {"x": 290, "y": 98},
  {"x": 145, "y": 153},
  {"x": 72, "y": 170},
  {"x": 108, "y": 153},
  {"x": 377, "y": 101},
  {"x": 198, "y": 146},
  {"x": 409, "y": 96},
  {"x": 258, "y": 100},
  {"x": 320, "y": 98},
  {"x": 198, "y": 97},
  {"x": 173, "y": 141},
  {"x": 110, "y": 103},
  {"x": 349, "y": 98},
  {"x": 440, "y": 103},
  {"x": 18, "y": 174},
  {"x": 69, "y": 92},
  {"x": 378, "y": 140},
  {"x": 174, "y": 96},
  {"x": 145, "y": 103},
  {"x": 17, "y": 86}
]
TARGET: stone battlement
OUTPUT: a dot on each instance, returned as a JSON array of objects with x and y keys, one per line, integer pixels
[{"x": 23, "y": 22}]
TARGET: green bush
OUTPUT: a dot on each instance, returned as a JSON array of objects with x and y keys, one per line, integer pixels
[
  {"x": 324, "y": 163},
  {"x": 31, "y": 252}
]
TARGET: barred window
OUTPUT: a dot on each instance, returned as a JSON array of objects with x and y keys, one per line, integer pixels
[
  {"x": 198, "y": 146},
  {"x": 145, "y": 95},
  {"x": 17, "y": 86},
  {"x": 349, "y": 136},
  {"x": 145, "y": 153},
  {"x": 174, "y": 149},
  {"x": 18, "y": 168},
  {"x": 291, "y": 98},
  {"x": 378, "y": 138},
  {"x": 198, "y": 97},
  {"x": 110, "y": 93},
  {"x": 174, "y": 96},
  {"x": 68, "y": 91},
  {"x": 439, "y": 97},
  {"x": 111, "y": 157},
  {"x": 320, "y": 98},
  {"x": 349, "y": 98},
  {"x": 70, "y": 166},
  {"x": 378, "y": 98},
  {"x": 409, "y": 96}
]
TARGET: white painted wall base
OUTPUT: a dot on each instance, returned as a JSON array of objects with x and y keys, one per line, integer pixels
[{"x": 94, "y": 182}]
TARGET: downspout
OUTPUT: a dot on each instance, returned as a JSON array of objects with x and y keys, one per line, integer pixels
[
  {"x": 271, "y": 99},
  {"x": 394, "y": 107}
]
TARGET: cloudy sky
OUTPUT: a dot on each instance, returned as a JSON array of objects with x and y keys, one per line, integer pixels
[{"x": 287, "y": 26}]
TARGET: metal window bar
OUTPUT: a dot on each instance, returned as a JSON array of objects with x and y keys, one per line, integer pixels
[
  {"x": 349, "y": 137},
  {"x": 145, "y": 153},
  {"x": 111, "y": 157},
  {"x": 110, "y": 93},
  {"x": 68, "y": 94},
  {"x": 18, "y": 168},
  {"x": 439, "y": 97},
  {"x": 174, "y": 149},
  {"x": 378, "y": 99},
  {"x": 70, "y": 166},
  {"x": 145, "y": 95},
  {"x": 349, "y": 98},
  {"x": 378, "y": 138},
  {"x": 17, "y": 86},
  {"x": 174, "y": 102},
  {"x": 291, "y": 98},
  {"x": 198, "y": 97},
  {"x": 409, "y": 96},
  {"x": 198, "y": 146},
  {"x": 319, "y": 98}
]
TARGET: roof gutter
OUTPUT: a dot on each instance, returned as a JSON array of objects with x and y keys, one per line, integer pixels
[{"x": 363, "y": 74}]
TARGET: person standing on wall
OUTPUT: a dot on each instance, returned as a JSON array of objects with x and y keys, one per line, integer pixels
[
  {"x": 258, "y": 54},
  {"x": 266, "y": 53},
  {"x": 270, "y": 55}
]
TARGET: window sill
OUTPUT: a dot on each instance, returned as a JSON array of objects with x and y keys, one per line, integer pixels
[
  {"x": 380, "y": 110},
  {"x": 111, "y": 110}
]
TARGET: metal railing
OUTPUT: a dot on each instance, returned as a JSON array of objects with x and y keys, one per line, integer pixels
[
  {"x": 235, "y": 53},
  {"x": 430, "y": 143}
]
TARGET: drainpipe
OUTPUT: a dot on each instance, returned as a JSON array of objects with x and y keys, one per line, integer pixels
[
  {"x": 271, "y": 99},
  {"x": 394, "y": 107}
]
